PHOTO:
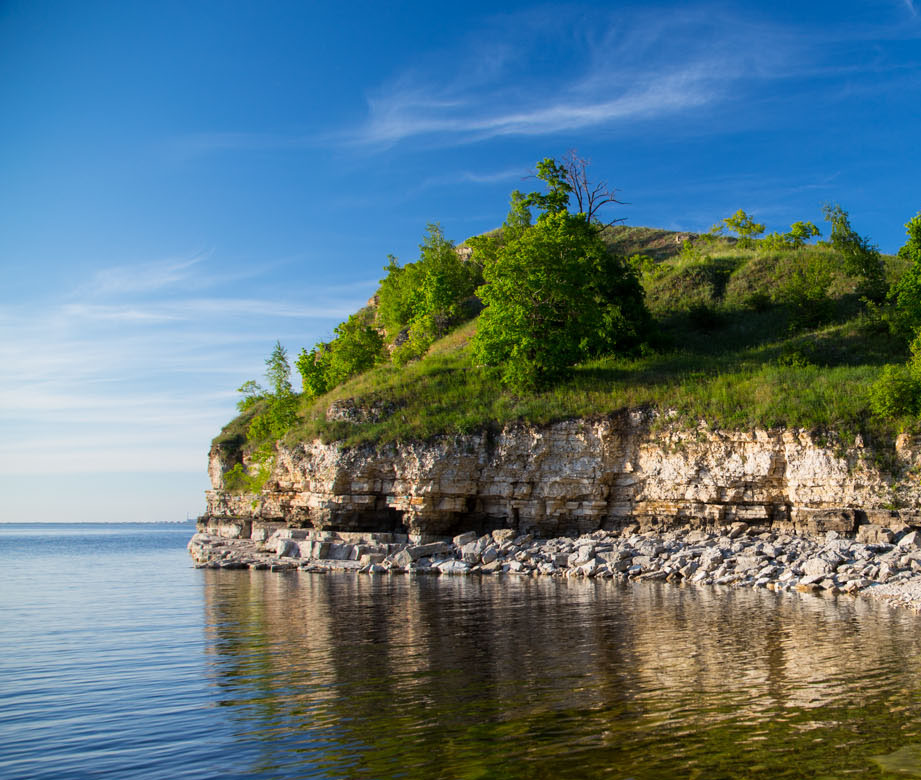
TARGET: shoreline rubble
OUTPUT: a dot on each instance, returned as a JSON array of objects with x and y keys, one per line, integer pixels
[{"x": 878, "y": 563}]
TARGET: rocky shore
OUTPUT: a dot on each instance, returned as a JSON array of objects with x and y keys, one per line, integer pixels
[{"x": 879, "y": 562}]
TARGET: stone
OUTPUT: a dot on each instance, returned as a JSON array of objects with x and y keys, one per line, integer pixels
[
  {"x": 287, "y": 548},
  {"x": 911, "y": 540},
  {"x": 464, "y": 539},
  {"x": 817, "y": 566},
  {"x": 490, "y": 554},
  {"x": 870, "y": 533},
  {"x": 417, "y": 551},
  {"x": 737, "y": 529},
  {"x": 453, "y": 567},
  {"x": 403, "y": 558}
]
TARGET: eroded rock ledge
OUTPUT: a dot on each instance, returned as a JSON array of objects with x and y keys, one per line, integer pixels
[{"x": 580, "y": 476}]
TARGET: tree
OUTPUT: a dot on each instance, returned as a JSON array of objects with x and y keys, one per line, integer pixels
[
  {"x": 744, "y": 227},
  {"x": 905, "y": 295},
  {"x": 280, "y": 412},
  {"x": 357, "y": 347},
  {"x": 861, "y": 258},
  {"x": 554, "y": 296},
  {"x": 426, "y": 298},
  {"x": 252, "y": 392},
  {"x": 800, "y": 233},
  {"x": 570, "y": 178},
  {"x": 278, "y": 370}
]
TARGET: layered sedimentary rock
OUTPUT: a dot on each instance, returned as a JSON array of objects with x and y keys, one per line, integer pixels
[{"x": 577, "y": 476}]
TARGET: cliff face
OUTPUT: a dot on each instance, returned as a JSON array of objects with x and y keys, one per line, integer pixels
[{"x": 578, "y": 476}]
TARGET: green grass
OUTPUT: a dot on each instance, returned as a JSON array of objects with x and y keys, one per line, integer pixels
[{"x": 727, "y": 349}]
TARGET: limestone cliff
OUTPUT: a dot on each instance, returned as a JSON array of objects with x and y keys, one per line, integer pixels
[{"x": 577, "y": 476}]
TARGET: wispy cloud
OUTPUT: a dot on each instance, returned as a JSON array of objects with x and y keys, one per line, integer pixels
[
  {"x": 639, "y": 66},
  {"x": 122, "y": 370},
  {"x": 142, "y": 277}
]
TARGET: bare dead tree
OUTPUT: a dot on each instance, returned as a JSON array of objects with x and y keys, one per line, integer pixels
[{"x": 590, "y": 197}]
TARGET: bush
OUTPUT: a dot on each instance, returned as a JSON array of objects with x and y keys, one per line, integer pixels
[
  {"x": 896, "y": 393},
  {"x": 554, "y": 296},
  {"x": 279, "y": 411},
  {"x": 861, "y": 258},
  {"x": 905, "y": 295},
  {"x": 357, "y": 347},
  {"x": 744, "y": 227},
  {"x": 427, "y": 296}
]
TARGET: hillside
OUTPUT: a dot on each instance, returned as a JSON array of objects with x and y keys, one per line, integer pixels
[{"x": 741, "y": 337}]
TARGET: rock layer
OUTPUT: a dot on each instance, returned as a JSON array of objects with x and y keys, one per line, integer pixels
[{"x": 578, "y": 476}]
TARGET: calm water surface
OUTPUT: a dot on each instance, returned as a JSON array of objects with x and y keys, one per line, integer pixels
[{"x": 119, "y": 660}]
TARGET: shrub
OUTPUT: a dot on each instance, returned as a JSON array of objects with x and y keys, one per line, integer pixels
[
  {"x": 554, "y": 296},
  {"x": 357, "y": 347},
  {"x": 861, "y": 258},
  {"x": 896, "y": 393},
  {"x": 427, "y": 296},
  {"x": 279, "y": 412},
  {"x": 744, "y": 227},
  {"x": 905, "y": 295}
]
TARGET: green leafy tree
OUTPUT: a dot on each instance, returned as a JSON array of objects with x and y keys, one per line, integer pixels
[
  {"x": 556, "y": 199},
  {"x": 280, "y": 412},
  {"x": 800, "y": 233},
  {"x": 425, "y": 299},
  {"x": 395, "y": 296},
  {"x": 278, "y": 370},
  {"x": 252, "y": 392},
  {"x": 554, "y": 296},
  {"x": 313, "y": 367},
  {"x": 905, "y": 295},
  {"x": 744, "y": 227},
  {"x": 357, "y": 347},
  {"x": 861, "y": 258}
]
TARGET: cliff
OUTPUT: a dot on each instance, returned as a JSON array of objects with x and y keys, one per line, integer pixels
[{"x": 578, "y": 476}]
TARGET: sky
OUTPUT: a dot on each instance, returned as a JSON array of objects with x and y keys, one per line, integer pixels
[{"x": 184, "y": 183}]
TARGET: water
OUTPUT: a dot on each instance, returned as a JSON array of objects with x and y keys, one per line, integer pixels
[{"x": 119, "y": 660}]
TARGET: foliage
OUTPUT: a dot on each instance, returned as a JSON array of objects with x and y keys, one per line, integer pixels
[
  {"x": 554, "y": 296},
  {"x": 800, "y": 233},
  {"x": 279, "y": 411},
  {"x": 556, "y": 200},
  {"x": 568, "y": 180},
  {"x": 860, "y": 258},
  {"x": 796, "y": 238},
  {"x": 238, "y": 480},
  {"x": 744, "y": 227},
  {"x": 278, "y": 371},
  {"x": 252, "y": 393},
  {"x": 896, "y": 393},
  {"x": 802, "y": 281},
  {"x": 357, "y": 347},
  {"x": 905, "y": 295},
  {"x": 426, "y": 298}
]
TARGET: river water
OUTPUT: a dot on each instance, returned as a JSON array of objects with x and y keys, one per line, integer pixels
[{"x": 119, "y": 660}]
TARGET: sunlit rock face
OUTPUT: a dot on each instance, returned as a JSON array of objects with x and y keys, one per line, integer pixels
[{"x": 577, "y": 476}]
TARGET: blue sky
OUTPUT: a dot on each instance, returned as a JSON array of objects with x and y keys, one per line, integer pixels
[{"x": 183, "y": 183}]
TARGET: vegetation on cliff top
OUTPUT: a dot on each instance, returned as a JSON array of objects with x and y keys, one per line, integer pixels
[{"x": 562, "y": 316}]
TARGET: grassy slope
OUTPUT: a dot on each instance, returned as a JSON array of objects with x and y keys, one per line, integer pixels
[{"x": 723, "y": 352}]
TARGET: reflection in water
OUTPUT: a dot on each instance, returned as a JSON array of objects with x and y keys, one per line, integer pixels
[{"x": 345, "y": 675}]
